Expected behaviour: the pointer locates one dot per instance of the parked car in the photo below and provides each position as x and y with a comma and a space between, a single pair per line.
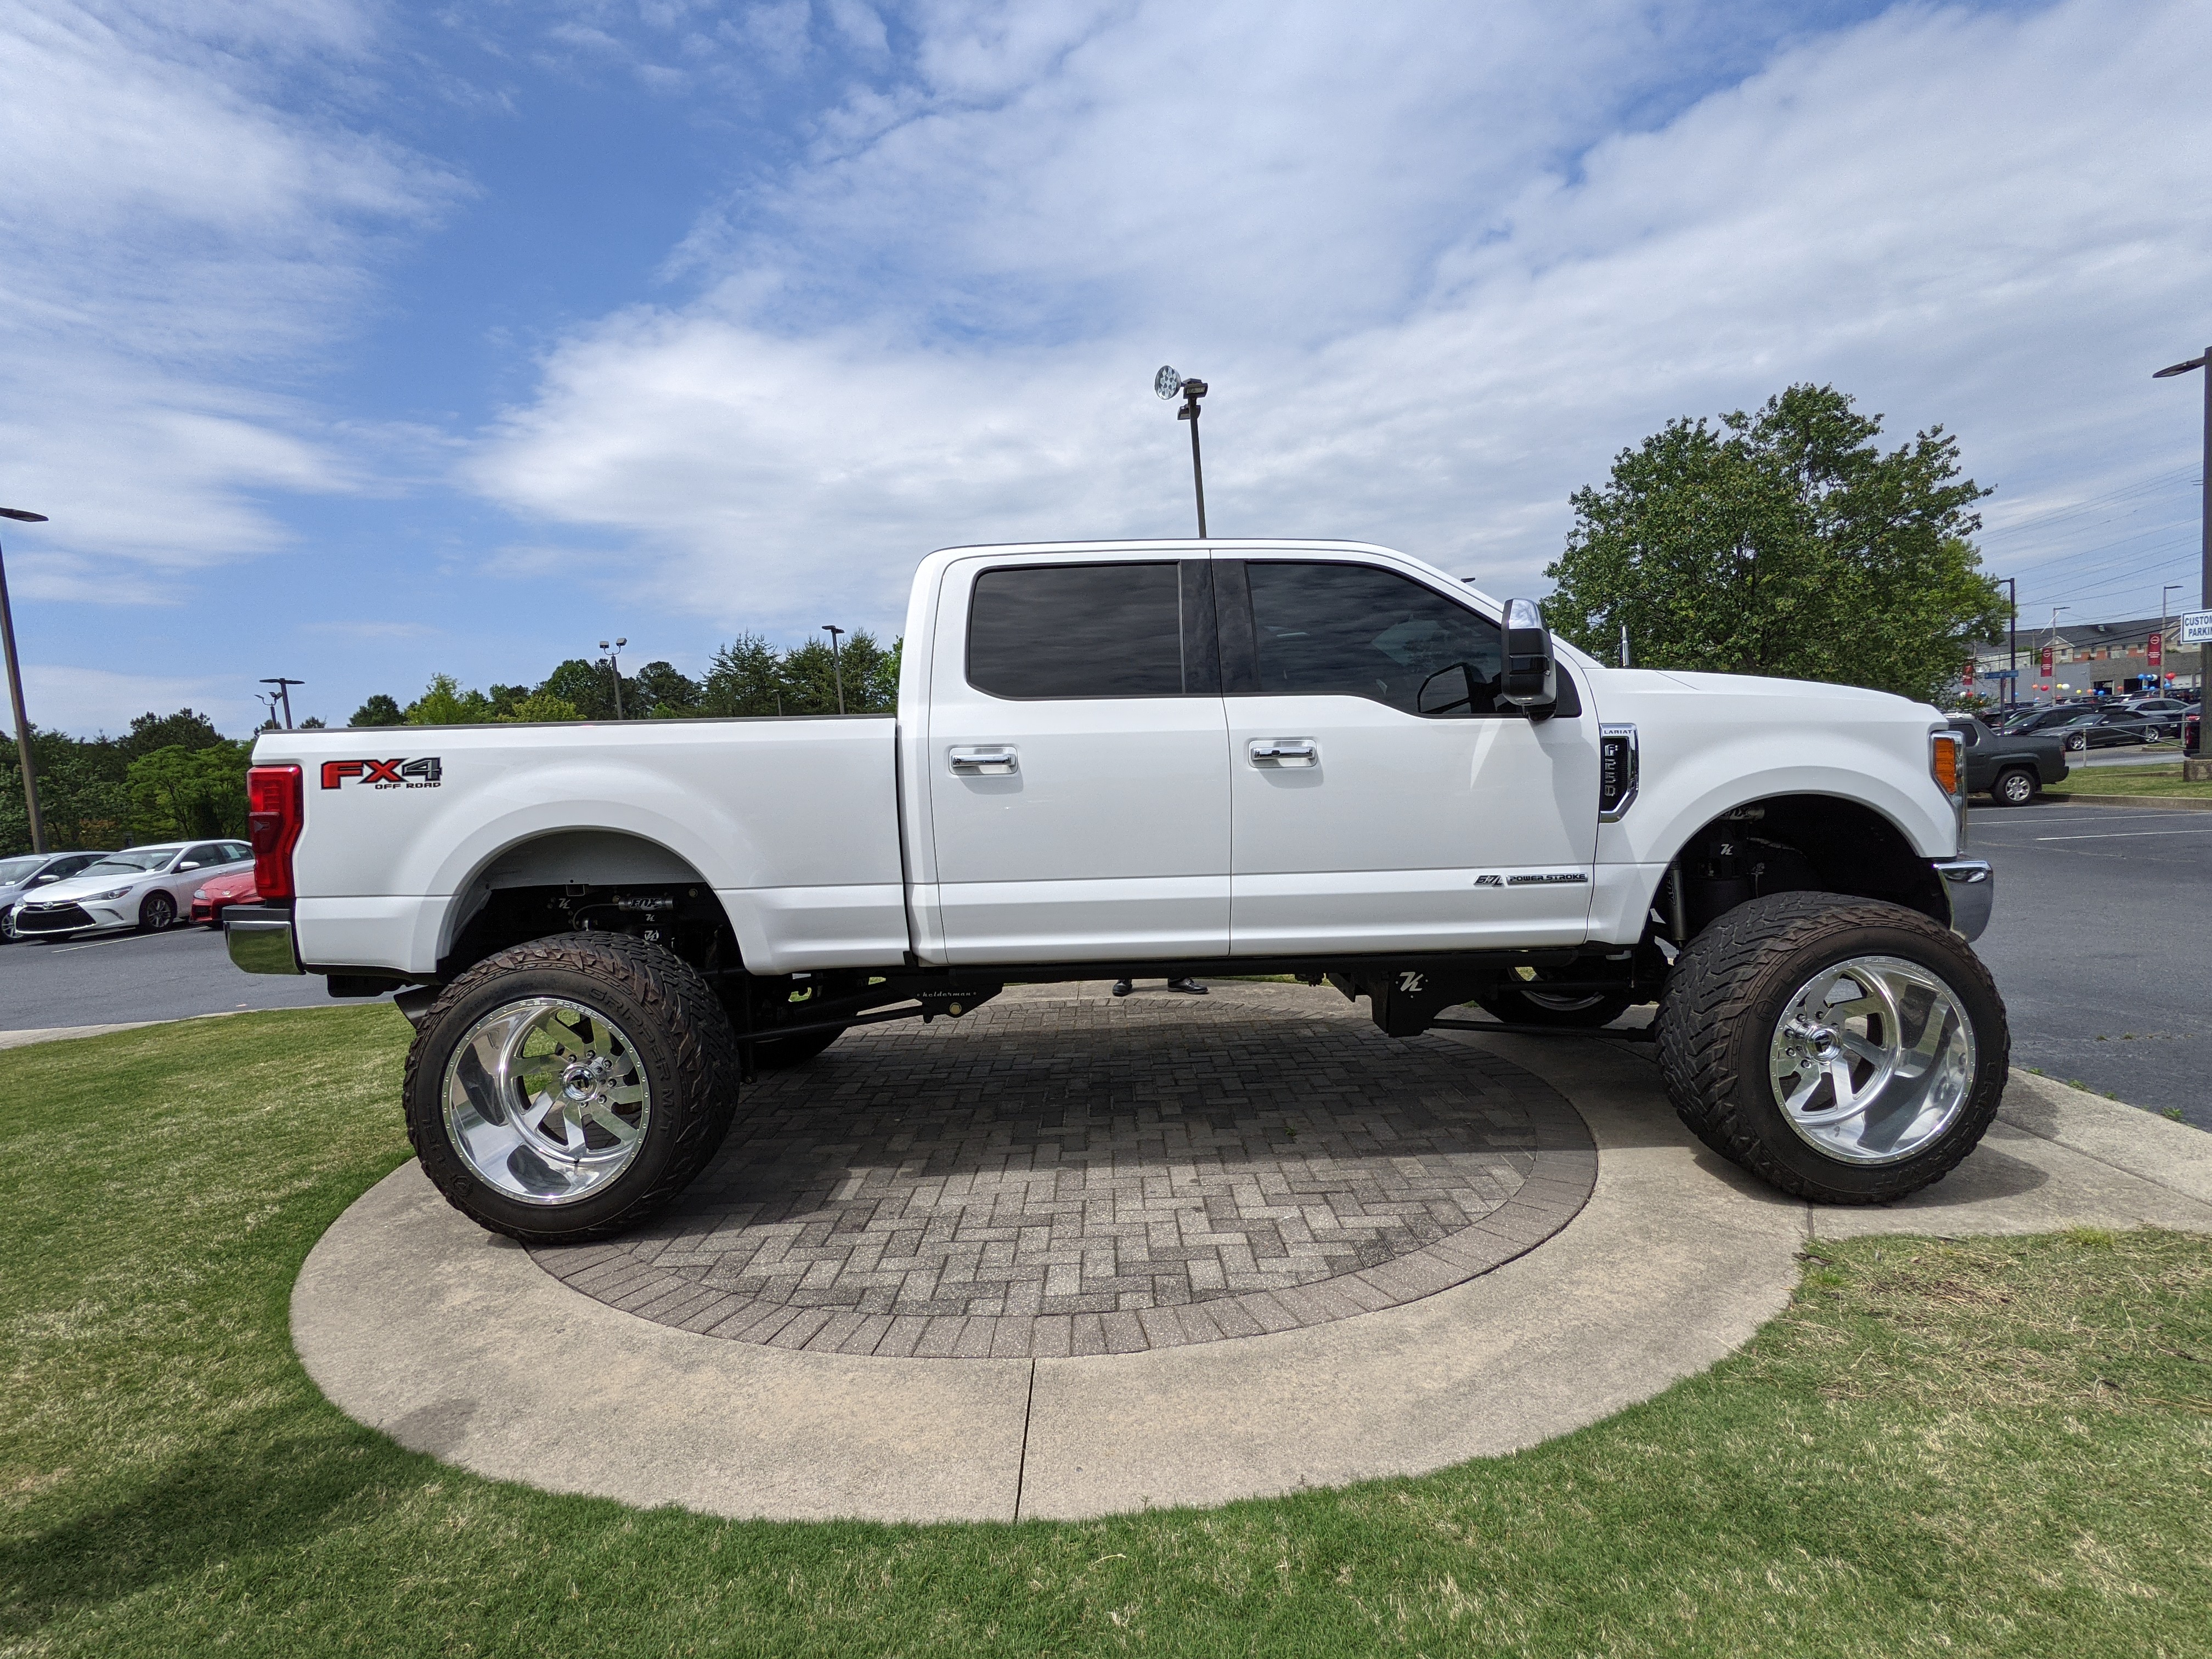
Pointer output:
141, 887
1323, 760
2040, 719
2113, 728
208, 902
20, 877
2010, 768
2158, 705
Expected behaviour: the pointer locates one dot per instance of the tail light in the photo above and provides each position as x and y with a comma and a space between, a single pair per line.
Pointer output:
274, 814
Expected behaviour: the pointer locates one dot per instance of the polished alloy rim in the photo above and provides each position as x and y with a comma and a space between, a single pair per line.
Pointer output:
1872, 1060
545, 1100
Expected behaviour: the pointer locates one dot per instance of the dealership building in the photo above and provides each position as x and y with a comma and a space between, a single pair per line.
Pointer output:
2086, 659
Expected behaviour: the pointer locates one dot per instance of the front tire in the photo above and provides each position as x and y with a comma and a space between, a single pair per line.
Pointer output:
1846, 1050
565, 1089
2015, 786
157, 914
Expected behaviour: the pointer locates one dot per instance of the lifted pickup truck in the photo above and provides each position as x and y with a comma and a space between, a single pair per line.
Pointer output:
1320, 759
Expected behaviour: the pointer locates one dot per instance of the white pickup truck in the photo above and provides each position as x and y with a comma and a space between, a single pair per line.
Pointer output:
1320, 759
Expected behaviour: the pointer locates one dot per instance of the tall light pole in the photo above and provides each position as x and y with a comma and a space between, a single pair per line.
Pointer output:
284, 690
2202, 361
2051, 646
15, 692
836, 663
1169, 384
2159, 680
2012, 640
614, 666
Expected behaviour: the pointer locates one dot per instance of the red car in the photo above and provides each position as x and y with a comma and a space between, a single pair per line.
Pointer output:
208, 901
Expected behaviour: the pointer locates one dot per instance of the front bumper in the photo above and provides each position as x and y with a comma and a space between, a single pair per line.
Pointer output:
68, 919
259, 940
1970, 888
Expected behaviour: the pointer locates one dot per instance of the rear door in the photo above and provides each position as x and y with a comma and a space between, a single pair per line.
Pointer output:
1079, 771
1384, 800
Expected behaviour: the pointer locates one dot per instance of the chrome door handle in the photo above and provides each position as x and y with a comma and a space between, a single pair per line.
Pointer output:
992, 763
1284, 751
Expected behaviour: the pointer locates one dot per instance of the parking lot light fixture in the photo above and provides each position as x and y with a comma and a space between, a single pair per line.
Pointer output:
836, 663
2201, 364
15, 691
614, 666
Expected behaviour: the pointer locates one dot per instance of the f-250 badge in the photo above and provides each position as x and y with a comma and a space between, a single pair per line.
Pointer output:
422, 774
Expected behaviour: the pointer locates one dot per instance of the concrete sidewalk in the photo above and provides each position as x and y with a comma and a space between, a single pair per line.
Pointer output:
457, 1344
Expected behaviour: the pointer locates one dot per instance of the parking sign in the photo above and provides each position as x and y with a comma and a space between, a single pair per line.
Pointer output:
2196, 628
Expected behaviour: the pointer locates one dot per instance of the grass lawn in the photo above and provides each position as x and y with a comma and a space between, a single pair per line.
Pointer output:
1972, 1446
2162, 778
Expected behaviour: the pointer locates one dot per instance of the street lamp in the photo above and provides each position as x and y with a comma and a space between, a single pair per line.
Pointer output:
2159, 683
284, 690
2204, 574
15, 691
1169, 384
837, 665
614, 666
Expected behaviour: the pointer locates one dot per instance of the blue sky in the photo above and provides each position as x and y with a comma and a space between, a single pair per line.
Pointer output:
359, 342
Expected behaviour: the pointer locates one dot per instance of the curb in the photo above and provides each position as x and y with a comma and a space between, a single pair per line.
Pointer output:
2174, 803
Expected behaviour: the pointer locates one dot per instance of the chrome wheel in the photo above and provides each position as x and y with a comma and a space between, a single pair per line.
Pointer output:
1873, 1059
545, 1100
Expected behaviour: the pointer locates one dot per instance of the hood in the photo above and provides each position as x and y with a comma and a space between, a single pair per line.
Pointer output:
237, 885
77, 887
1761, 685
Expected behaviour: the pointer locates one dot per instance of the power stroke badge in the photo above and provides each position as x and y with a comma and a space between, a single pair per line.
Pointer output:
422, 774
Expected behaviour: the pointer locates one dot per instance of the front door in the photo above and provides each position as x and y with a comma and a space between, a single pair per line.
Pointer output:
1078, 766
1383, 798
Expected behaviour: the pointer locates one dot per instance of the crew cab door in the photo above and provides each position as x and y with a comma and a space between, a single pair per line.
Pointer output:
1078, 770
1383, 798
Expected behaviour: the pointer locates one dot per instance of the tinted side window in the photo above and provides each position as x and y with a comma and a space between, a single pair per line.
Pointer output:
1081, 630
235, 852
1360, 632
204, 854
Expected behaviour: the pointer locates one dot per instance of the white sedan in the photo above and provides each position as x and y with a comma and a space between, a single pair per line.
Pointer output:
141, 887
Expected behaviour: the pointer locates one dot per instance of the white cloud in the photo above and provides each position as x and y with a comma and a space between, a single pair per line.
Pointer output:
90, 700
1433, 289
174, 243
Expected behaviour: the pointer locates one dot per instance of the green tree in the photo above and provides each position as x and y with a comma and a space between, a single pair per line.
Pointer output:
744, 676
663, 692
379, 710
538, 706
1785, 542
870, 675
179, 793
590, 689
444, 703
84, 793
183, 730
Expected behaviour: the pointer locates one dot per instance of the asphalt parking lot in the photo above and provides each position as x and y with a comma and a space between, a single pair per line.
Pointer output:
2102, 945
2101, 942
117, 978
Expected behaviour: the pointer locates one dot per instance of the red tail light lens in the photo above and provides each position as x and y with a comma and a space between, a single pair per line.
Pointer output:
274, 813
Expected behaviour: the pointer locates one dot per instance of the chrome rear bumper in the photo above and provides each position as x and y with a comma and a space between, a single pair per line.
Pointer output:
1970, 887
259, 940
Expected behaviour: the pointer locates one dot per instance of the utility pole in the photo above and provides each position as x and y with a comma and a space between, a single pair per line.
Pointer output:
284, 690
2202, 363
1168, 384
2012, 642
15, 693
836, 663
614, 665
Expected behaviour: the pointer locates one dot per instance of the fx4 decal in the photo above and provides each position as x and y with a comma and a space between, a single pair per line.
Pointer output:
422, 774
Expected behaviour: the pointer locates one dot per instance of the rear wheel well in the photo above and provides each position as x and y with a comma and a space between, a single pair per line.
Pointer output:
1801, 843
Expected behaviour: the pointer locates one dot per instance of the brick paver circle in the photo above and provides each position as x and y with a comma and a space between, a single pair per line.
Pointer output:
1063, 1174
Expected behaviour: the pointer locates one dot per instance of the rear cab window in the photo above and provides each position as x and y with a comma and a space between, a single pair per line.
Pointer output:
1061, 631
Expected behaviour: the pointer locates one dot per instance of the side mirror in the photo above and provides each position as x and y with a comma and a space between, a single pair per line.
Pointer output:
1529, 682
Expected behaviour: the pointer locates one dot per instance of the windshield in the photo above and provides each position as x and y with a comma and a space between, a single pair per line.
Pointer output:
125, 864
15, 869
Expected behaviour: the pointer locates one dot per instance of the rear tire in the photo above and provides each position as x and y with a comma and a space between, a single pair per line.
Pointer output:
565, 1089
2015, 786
1757, 1043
